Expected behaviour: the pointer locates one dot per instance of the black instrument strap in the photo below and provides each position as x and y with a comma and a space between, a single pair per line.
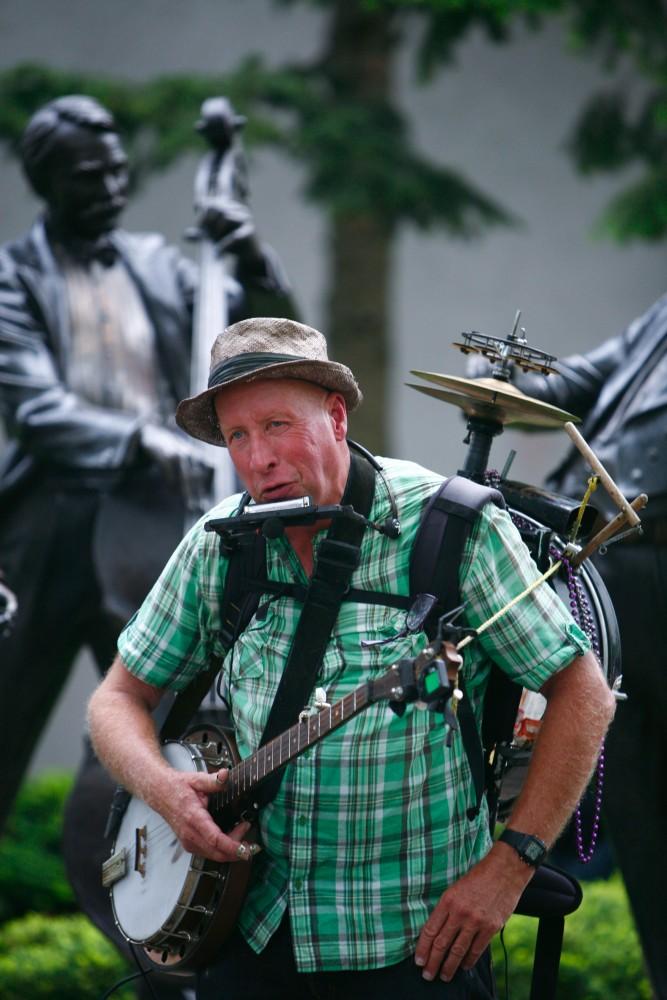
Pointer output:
434, 568
250, 560
337, 558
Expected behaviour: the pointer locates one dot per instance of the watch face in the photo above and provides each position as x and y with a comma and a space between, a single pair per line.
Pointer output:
533, 851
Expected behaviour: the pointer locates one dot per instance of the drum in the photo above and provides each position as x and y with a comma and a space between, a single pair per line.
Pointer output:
584, 593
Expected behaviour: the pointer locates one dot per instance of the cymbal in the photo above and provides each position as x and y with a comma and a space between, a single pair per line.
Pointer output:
492, 399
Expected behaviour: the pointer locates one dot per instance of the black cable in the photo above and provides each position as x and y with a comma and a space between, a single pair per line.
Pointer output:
505, 962
379, 469
121, 982
144, 972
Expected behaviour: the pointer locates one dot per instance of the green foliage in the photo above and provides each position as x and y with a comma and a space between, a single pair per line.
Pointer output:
601, 954
360, 159
611, 134
64, 957
639, 212
32, 874
627, 124
616, 28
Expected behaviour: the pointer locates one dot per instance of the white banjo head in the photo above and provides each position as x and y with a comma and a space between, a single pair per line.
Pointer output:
157, 864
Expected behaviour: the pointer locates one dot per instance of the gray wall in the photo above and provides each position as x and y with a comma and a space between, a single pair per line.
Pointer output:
500, 115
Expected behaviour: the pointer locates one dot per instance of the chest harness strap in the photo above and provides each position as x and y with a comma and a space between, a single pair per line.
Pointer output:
337, 558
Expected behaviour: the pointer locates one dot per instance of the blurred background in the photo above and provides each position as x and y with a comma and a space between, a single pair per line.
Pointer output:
470, 164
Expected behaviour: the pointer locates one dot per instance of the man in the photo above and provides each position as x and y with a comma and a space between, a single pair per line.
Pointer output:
375, 877
95, 330
619, 390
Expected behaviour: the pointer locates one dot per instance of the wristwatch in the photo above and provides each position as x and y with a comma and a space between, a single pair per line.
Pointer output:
530, 849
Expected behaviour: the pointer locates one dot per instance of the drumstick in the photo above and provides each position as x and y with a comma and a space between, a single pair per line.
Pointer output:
609, 529
598, 468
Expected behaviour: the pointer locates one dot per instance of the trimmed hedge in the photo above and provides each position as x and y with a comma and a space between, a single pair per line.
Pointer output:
32, 873
62, 957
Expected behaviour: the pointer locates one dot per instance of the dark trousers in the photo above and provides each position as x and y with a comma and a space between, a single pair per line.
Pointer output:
45, 554
635, 797
243, 975
80, 563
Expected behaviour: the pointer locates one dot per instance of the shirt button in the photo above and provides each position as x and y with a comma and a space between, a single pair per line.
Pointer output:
298, 884
302, 820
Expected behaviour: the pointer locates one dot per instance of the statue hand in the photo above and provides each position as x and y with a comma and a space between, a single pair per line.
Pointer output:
477, 366
229, 223
182, 463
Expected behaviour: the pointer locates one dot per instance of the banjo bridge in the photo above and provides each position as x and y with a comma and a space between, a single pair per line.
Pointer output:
140, 850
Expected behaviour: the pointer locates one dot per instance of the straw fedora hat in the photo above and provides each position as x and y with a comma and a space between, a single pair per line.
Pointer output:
261, 348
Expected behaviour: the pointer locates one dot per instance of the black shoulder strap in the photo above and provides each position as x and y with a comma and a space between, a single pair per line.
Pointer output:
246, 559
434, 569
438, 546
337, 558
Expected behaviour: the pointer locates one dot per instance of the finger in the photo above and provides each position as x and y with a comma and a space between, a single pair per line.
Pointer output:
477, 948
433, 926
207, 839
212, 783
434, 944
456, 954
239, 831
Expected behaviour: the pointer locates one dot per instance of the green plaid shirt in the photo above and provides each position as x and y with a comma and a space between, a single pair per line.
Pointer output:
369, 826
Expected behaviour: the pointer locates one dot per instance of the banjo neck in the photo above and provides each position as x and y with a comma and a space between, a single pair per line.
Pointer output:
244, 777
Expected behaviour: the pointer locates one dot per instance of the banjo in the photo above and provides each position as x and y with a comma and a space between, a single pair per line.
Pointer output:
180, 907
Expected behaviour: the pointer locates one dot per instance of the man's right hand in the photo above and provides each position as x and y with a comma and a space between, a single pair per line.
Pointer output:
185, 808
122, 728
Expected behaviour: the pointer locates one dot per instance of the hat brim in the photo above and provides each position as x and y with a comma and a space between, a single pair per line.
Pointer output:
196, 415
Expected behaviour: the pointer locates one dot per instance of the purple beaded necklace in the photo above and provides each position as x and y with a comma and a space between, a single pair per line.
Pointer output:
581, 612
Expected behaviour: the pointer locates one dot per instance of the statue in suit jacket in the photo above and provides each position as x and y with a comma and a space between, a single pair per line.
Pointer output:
619, 390
95, 333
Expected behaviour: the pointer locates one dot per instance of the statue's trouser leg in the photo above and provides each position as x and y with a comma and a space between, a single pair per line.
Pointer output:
44, 554
636, 790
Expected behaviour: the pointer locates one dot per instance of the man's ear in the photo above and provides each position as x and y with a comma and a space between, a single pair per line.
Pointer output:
337, 409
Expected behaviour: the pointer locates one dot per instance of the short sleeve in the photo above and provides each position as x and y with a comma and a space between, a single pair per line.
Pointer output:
537, 636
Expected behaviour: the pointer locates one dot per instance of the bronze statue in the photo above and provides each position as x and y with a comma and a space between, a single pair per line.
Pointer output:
95, 332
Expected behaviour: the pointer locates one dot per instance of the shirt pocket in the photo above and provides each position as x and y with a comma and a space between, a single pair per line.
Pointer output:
367, 622
263, 647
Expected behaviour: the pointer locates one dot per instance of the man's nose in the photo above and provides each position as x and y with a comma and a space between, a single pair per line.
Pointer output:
262, 456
